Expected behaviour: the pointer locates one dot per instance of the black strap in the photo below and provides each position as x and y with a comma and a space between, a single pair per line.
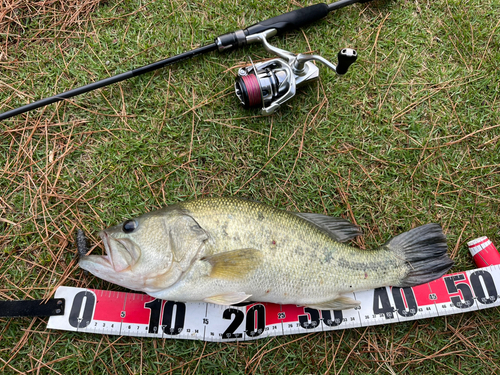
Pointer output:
14, 309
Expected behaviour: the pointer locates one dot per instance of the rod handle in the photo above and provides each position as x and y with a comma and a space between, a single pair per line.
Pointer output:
292, 20
288, 21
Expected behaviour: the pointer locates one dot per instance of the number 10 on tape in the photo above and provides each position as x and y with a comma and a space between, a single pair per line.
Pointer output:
135, 314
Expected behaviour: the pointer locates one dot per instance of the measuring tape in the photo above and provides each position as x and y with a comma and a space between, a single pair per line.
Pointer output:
135, 314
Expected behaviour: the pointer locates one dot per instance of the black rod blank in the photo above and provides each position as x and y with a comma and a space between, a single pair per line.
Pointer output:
108, 81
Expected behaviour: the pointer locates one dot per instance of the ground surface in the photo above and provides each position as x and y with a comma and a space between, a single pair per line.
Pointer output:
409, 136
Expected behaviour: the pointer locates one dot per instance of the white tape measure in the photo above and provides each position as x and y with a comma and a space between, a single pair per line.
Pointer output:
135, 314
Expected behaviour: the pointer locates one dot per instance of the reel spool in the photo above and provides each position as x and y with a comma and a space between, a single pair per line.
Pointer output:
271, 83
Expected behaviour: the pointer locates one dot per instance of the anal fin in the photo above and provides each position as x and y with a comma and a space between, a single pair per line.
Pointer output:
228, 298
340, 303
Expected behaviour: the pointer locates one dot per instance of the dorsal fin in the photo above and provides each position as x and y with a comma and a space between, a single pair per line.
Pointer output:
338, 228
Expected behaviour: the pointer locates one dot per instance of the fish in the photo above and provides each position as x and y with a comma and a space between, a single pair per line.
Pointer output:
228, 250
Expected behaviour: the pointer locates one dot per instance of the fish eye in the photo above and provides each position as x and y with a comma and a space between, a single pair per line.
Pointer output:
129, 226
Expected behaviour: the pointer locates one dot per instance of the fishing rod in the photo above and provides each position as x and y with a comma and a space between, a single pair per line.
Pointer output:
267, 84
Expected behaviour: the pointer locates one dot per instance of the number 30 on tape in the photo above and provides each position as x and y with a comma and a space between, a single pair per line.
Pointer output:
134, 314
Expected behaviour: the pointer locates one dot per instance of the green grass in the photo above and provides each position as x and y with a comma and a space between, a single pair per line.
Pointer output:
409, 136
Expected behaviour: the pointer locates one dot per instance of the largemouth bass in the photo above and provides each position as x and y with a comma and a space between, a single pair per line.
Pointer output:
229, 250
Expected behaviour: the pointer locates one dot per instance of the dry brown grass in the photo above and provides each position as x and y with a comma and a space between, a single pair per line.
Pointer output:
43, 18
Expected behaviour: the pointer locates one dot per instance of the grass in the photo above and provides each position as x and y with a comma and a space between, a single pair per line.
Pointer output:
409, 136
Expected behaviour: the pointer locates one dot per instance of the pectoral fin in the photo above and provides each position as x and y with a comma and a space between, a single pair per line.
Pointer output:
340, 303
228, 298
233, 265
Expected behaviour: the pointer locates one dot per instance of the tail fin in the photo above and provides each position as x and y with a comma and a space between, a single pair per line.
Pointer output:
424, 251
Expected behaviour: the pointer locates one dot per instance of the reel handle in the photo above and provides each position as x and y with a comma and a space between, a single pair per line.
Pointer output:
300, 61
346, 57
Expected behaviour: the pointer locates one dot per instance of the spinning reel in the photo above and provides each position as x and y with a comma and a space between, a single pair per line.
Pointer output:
271, 83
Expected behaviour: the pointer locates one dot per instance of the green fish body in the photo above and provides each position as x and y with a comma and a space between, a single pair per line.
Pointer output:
229, 250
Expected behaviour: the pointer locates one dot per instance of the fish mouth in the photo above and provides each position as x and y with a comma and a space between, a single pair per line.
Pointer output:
121, 253
113, 266
94, 263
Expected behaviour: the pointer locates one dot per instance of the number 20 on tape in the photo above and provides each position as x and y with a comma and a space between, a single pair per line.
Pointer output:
135, 314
